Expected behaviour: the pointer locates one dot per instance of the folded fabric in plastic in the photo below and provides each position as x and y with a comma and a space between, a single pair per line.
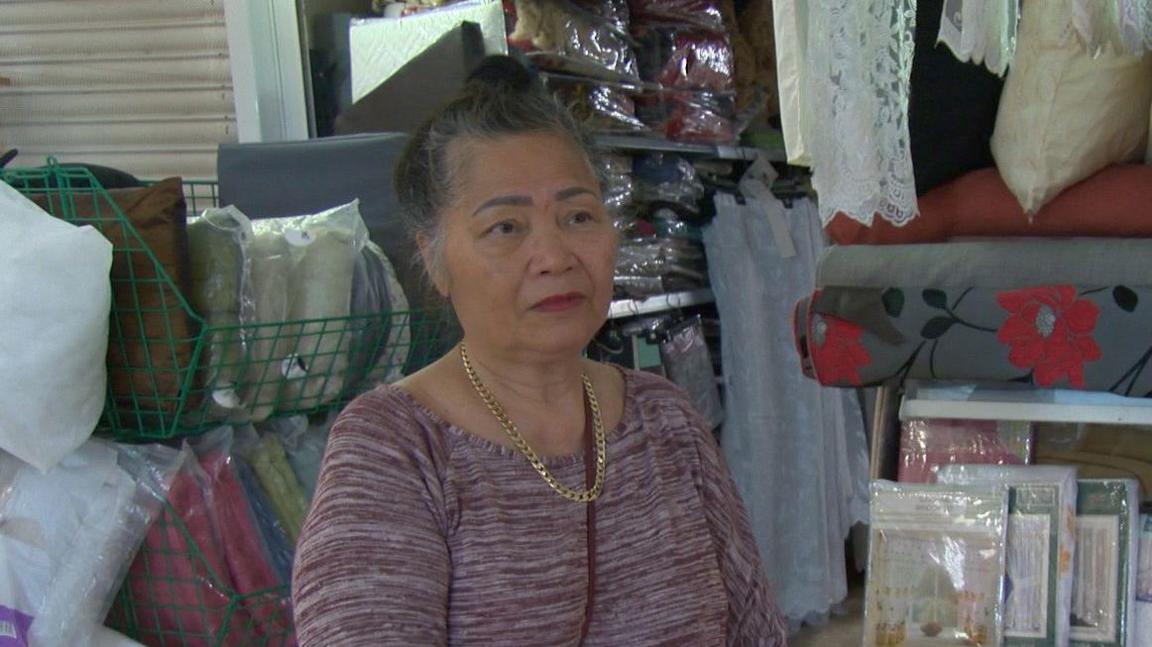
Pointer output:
54, 332
599, 106
1041, 547
1098, 451
1144, 584
279, 482
686, 58
930, 443
706, 14
221, 293
304, 443
249, 557
302, 271
205, 572
936, 558
280, 551
180, 582
1115, 202
1104, 583
574, 37
67, 535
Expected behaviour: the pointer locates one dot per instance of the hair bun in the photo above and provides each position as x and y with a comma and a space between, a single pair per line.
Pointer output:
502, 72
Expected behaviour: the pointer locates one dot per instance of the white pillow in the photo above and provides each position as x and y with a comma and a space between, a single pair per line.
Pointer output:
56, 295
1065, 114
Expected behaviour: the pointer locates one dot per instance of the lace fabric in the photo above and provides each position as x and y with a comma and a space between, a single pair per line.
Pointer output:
981, 31
856, 115
1123, 25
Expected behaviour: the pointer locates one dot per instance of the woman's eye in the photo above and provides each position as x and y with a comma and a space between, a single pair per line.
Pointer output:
581, 217
503, 228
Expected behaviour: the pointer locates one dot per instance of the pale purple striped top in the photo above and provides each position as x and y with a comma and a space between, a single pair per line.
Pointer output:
424, 534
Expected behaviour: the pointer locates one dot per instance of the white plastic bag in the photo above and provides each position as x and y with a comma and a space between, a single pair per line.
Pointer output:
68, 535
56, 296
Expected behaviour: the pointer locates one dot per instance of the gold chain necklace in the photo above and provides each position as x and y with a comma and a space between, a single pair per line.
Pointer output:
578, 496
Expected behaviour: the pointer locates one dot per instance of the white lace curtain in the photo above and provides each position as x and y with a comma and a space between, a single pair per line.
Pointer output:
844, 68
844, 102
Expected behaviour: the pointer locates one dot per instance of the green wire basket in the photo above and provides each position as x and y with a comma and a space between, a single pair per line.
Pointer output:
175, 597
165, 381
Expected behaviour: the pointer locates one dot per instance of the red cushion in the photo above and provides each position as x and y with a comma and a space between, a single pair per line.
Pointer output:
1114, 203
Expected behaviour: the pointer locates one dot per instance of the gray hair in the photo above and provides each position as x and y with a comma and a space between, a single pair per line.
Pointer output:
500, 99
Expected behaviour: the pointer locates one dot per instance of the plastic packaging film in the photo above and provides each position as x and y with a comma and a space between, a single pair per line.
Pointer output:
221, 293
580, 38
935, 564
705, 14
1143, 628
688, 364
1104, 583
302, 269
686, 58
1041, 547
600, 106
929, 443
68, 535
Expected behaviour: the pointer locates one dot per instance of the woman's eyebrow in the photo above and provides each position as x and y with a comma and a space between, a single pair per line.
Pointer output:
505, 201
526, 201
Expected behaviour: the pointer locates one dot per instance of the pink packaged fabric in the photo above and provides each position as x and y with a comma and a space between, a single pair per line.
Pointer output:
928, 443
244, 551
179, 582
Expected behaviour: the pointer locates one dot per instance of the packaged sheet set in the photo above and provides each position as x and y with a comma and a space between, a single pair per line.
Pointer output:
1104, 582
1041, 547
935, 565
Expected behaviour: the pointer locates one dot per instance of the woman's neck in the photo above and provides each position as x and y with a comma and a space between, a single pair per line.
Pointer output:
544, 382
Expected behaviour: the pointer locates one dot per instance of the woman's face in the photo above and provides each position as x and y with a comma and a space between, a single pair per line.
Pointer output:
529, 249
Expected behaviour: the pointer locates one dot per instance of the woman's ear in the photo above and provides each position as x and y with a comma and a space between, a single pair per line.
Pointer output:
433, 262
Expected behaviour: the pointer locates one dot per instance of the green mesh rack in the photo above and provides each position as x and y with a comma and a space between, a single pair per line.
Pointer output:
176, 596
164, 379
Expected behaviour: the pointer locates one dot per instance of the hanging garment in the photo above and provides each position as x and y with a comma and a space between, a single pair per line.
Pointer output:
854, 101
981, 31
790, 18
1125, 26
789, 445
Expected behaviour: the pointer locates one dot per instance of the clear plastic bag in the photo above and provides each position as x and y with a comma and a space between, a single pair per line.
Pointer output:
1099, 451
206, 562
574, 37
1104, 582
688, 116
600, 106
1041, 544
68, 535
929, 443
666, 177
302, 270
221, 293
686, 58
936, 560
688, 363
618, 184
304, 442
381, 344
701, 13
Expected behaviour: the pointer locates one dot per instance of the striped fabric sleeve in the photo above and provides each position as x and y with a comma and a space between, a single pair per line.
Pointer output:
753, 618
372, 565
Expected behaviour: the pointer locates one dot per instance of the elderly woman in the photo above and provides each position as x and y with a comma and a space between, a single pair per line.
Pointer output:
513, 492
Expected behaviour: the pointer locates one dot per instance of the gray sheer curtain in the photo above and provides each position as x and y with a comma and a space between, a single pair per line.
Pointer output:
797, 451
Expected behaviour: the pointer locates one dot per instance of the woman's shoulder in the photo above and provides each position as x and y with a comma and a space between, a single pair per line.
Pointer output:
388, 418
646, 387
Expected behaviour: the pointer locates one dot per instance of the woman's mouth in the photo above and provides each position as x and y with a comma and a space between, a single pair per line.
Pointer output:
559, 302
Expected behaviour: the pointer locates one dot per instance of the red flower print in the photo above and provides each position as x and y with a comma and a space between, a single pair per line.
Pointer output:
1049, 331
837, 353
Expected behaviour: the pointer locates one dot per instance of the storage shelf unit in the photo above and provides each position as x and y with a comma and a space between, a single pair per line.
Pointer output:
659, 303
723, 152
1045, 405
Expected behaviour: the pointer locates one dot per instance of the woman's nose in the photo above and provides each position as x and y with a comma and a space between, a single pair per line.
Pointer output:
551, 251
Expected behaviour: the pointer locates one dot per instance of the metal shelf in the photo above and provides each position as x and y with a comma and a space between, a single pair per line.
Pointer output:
1044, 405
724, 152
659, 303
